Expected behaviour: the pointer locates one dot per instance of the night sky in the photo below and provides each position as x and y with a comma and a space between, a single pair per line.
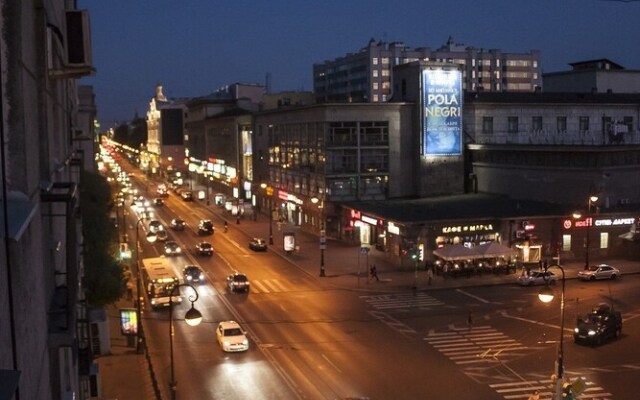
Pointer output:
194, 47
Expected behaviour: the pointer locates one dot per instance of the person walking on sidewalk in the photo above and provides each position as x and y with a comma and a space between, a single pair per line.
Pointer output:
470, 320
429, 275
374, 272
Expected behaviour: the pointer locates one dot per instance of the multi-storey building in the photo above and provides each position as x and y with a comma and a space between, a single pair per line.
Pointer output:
367, 76
44, 334
593, 76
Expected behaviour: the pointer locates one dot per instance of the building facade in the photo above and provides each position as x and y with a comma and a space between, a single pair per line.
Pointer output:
593, 76
47, 134
367, 75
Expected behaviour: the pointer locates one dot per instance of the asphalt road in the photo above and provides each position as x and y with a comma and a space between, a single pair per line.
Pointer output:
310, 340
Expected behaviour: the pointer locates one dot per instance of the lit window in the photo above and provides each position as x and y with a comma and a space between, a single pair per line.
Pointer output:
375, 73
375, 98
385, 72
385, 60
375, 85
566, 242
374, 61
604, 240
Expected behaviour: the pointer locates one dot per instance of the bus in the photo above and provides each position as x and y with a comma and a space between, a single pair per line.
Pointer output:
159, 280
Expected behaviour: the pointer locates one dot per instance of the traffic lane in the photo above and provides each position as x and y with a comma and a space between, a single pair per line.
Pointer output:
199, 360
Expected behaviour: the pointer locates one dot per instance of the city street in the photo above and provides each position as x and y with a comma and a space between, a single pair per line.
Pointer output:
311, 338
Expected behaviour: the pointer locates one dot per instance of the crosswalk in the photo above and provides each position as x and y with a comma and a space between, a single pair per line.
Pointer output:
402, 301
478, 347
279, 285
521, 390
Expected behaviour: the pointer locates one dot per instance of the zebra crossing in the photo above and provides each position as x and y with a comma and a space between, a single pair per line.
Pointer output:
419, 300
521, 390
278, 285
478, 347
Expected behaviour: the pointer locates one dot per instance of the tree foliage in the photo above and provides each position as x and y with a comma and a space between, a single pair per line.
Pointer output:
133, 134
103, 279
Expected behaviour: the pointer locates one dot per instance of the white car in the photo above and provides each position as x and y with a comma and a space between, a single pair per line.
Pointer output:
602, 271
231, 337
537, 278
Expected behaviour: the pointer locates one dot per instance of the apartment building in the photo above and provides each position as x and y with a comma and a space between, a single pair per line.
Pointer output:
48, 137
593, 76
367, 75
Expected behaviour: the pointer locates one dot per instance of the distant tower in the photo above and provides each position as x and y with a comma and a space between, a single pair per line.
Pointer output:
159, 95
267, 82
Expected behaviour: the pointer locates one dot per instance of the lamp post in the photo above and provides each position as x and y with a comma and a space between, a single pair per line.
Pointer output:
323, 237
193, 317
269, 190
592, 199
546, 296
151, 238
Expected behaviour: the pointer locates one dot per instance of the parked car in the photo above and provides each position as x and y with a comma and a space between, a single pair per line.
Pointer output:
231, 337
238, 282
178, 224
258, 244
158, 201
172, 248
602, 271
602, 323
193, 274
537, 278
205, 227
204, 249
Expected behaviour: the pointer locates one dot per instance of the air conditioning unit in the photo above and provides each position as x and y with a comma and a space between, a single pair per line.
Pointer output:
78, 39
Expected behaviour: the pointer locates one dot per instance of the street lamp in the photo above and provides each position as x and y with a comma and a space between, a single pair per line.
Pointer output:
271, 210
151, 237
193, 317
546, 296
592, 199
323, 238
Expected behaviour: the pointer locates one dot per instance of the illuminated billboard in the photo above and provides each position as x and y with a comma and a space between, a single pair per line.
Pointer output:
442, 108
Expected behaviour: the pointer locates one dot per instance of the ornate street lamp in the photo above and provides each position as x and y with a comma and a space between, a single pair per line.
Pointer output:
546, 296
193, 317
151, 237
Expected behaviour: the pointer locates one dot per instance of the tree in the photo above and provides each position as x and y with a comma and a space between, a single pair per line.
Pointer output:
104, 275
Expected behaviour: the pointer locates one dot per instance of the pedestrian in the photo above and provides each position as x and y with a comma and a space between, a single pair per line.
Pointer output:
129, 290
374, 272
470, 319
445, 270
429, 275
535, 395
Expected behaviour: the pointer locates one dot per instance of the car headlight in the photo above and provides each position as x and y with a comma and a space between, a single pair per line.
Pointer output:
245, 342
201, 276
591, 332
576, 330
189, 277
178, 250
225, 344
167, 251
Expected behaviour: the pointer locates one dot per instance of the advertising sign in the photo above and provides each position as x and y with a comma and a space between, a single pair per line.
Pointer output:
442, 107
128, 321
289, 241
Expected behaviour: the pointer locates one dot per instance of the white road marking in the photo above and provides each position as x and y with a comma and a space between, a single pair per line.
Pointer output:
473, 296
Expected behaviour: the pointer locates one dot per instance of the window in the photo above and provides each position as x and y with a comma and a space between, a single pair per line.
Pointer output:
375, 73
604, 240
385, 60
561, 124
375, 85
512, 124
374, 61
385, 72
566, 242
375, 98
583, 124
628, 121
487, 125
536, 124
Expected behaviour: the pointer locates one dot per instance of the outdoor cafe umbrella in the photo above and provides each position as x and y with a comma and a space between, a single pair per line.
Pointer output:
455, 252
494, 249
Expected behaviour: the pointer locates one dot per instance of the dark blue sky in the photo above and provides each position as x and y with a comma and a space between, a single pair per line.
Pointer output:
193, 47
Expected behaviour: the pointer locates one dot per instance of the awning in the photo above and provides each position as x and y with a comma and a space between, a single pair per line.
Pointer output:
630, 236
494, 249
456, 252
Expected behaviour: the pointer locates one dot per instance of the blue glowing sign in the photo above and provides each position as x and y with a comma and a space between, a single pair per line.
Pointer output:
442, 105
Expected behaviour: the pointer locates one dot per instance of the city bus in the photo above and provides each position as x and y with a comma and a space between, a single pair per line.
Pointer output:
159, 280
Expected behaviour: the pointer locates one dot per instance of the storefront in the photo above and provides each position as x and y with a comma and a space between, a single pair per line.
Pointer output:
600, 235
